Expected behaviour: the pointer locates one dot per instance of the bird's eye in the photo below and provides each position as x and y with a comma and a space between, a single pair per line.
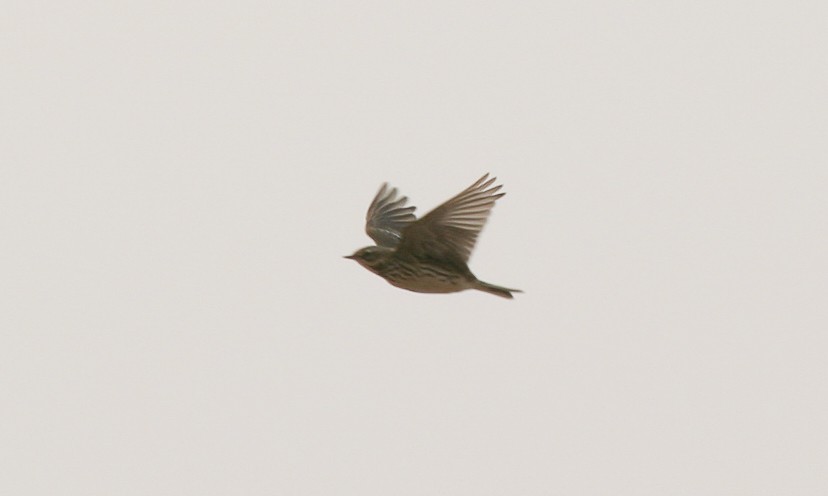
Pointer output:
369, 255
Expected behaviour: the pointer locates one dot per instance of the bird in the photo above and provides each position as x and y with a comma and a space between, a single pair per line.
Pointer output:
429, 255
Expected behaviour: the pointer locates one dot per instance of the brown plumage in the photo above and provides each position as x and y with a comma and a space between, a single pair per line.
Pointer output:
429, 255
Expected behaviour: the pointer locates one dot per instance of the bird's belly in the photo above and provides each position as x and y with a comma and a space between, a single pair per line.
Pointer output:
432, 284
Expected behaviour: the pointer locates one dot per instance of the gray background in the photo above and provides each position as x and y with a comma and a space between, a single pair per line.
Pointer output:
179, 181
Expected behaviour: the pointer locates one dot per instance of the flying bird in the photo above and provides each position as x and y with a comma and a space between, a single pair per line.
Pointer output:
429, 255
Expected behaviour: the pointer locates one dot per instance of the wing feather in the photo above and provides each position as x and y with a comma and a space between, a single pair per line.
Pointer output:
388, 216
450, 231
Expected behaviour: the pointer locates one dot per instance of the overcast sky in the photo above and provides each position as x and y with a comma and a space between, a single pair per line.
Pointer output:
180, 180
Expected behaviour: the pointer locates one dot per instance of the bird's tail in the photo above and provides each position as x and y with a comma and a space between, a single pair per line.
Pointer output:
496, 290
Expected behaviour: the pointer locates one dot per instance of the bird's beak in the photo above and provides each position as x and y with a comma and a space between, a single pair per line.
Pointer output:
349, 256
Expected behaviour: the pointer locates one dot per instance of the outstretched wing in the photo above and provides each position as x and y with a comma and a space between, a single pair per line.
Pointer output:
450, 230
388, 216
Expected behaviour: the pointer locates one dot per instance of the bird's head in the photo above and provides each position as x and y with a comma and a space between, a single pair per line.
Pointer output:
370, 256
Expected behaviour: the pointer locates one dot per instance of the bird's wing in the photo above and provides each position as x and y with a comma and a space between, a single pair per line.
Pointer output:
388, 216
450, 230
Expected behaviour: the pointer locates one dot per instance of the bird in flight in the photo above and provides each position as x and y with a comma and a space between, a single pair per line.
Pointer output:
429, 255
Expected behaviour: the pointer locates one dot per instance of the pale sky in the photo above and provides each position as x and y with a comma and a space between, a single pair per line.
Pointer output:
180, 181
